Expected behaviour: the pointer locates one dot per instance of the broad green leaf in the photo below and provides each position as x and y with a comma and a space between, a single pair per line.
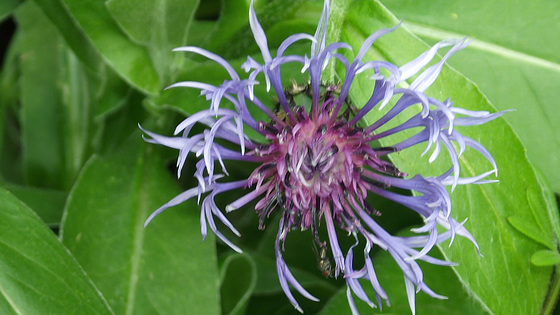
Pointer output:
189, 100
492, 21
78, 93
59, 96
10, 145
7, 7
198, 32
269, 297
514, 58
505, 266
118, 125
440, 279
46, 203
243, 43
164, 268
238, 278
37, 274
531, 89
162, 23
42, 131
303, 263
130, 60
545, 258
114, 95
72, 33
159, 25
234, 15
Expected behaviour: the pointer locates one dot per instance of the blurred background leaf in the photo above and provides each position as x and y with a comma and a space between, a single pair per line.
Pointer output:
238, 279
7, 7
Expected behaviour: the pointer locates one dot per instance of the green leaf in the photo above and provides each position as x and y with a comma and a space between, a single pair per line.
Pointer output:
234, 16
78, 93
495, 23
118, 124
506, 252
513, 66
42, 131
7, 7
37, 274
72, 33
10, 145
114, 95
46, 203
440, 279
545, 258
243, 43
159, 25
130, 60
238, 279
269, 297
160, 22
59, 98
164, 268
537, 226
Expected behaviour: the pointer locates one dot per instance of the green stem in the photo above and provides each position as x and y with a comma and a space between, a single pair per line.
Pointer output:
553, 294
334, 29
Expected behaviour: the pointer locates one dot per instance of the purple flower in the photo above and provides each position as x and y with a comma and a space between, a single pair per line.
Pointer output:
318, 161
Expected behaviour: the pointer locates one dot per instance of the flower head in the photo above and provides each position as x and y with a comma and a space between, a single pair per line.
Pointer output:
319, 162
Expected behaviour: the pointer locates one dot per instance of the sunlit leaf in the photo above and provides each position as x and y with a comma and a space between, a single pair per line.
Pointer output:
129, 59
513, 58
506, 252
545, 258
158, 25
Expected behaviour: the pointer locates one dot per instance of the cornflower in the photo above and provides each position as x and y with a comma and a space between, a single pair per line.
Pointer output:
319, 162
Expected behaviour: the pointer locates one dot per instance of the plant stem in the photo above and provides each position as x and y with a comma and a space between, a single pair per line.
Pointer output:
552, 297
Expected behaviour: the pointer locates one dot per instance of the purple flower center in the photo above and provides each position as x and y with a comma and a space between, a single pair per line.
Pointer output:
313, 162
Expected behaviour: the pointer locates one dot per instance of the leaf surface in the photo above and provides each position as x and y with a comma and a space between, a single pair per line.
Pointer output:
506, 265
513, 58
164, 268
37, 273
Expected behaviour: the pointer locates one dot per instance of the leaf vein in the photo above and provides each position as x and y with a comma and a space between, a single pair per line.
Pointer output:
439, 34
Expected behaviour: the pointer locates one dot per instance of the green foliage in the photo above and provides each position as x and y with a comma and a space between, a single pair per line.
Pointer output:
80, 75
37, 273
486, 206
139, 270
508, 59
457, 302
